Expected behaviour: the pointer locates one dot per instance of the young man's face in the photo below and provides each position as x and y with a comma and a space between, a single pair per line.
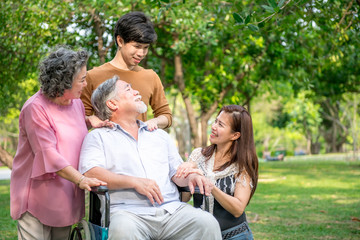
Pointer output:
133, 52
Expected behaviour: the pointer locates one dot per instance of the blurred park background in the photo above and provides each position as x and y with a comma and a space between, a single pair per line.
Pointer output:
294, 65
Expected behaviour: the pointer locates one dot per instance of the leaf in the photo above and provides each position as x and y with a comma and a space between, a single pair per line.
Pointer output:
268, 8
238, 18
247, 19
281, 3
253, 27
272, 3
262, 24
159, 14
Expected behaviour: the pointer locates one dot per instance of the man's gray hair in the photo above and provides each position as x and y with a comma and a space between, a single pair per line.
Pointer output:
103, 93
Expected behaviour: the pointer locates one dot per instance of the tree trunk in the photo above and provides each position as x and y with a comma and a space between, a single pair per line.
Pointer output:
336, 129
204, 135
354, 127
100, 29
181, 128
308, 145
6, 158
179, 79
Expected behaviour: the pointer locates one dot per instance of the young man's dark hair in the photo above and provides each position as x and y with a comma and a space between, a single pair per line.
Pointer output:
135, 26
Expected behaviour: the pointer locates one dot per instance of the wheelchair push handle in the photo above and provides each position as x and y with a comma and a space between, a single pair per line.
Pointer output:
101, 190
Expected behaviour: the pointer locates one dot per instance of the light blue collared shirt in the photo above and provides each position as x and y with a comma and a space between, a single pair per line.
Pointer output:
153, 156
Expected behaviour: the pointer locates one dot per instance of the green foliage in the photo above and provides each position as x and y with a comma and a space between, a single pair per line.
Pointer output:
304, 115
28, 29
270, 137
231, 52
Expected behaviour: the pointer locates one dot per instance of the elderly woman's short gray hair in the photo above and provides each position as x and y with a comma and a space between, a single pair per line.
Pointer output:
103, 93
58, 70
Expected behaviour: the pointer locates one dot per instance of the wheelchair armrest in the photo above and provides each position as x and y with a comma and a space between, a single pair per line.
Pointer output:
196, 191
101, 190
187, 189
95, 204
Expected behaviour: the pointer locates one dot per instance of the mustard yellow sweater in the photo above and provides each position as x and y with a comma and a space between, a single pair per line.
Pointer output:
146, 81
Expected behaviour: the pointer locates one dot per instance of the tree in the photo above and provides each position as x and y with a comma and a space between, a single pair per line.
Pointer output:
27, 30
305, 116
317, 53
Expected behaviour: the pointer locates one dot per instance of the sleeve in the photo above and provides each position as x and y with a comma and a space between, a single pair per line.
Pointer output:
175, 159
92, 152
43, 141
195, 155
158, 101
244, 179
86, 95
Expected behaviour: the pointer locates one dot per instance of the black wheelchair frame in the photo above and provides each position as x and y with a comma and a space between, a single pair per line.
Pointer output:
84, 230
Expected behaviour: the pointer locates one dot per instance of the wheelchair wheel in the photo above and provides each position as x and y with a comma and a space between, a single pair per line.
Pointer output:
81, 231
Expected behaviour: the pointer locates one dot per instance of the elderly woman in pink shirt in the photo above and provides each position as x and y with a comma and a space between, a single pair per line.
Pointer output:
46, 190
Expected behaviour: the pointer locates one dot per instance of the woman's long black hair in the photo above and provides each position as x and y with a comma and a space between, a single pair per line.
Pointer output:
242, 150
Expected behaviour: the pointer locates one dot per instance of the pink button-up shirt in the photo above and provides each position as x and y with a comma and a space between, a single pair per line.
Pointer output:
50, 138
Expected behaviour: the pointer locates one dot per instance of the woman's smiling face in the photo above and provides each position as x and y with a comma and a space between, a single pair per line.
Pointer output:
221, 129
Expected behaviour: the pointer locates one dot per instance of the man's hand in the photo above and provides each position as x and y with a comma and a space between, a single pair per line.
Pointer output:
150, 189
204, 184
95, 122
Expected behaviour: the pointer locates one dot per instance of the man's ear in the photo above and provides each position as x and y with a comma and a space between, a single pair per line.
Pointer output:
111, 105
120, 41
235, 136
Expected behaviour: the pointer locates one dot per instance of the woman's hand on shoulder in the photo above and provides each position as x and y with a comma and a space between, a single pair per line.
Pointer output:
95, 122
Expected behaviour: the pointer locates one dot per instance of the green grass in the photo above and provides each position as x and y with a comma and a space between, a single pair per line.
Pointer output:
306, 200
296, 199
7, 225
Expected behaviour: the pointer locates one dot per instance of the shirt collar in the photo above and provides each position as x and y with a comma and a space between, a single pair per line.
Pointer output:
140, 123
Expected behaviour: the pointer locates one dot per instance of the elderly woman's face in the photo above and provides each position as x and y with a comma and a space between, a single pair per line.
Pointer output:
77, 86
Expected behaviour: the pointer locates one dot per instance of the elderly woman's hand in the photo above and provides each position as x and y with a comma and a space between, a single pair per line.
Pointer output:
86, 183
186, 168
95, 122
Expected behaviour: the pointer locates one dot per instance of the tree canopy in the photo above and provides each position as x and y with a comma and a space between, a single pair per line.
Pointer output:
210, 53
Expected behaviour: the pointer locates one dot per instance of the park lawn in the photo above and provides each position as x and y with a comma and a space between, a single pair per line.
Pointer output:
7, 225
299, 199
295, 199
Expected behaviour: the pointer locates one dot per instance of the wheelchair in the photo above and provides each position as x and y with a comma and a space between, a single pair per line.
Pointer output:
95, 229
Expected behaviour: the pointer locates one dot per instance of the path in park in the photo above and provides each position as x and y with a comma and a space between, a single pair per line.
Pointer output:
5, 173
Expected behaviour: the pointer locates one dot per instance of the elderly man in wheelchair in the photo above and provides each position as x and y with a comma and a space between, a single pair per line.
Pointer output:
139, 167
